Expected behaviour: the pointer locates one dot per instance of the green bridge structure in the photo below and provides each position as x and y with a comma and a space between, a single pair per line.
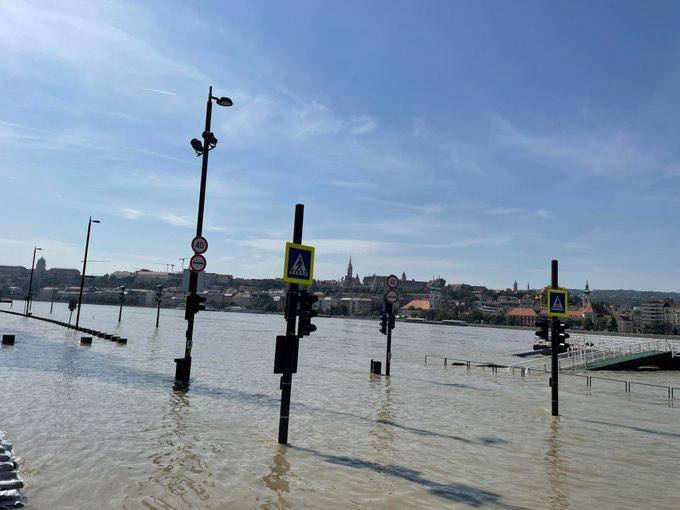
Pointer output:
663, 354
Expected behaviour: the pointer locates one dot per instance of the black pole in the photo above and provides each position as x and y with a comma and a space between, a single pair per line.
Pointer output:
183, 372
388, 355
555, 343
159, 295
287, 377
122, 298
54, 291
30, 285
82, 276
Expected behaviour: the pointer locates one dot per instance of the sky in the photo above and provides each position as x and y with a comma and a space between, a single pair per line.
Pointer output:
472, 140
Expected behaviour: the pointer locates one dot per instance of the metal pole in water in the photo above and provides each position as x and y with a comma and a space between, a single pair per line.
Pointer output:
555, 344
390, 321
291, 314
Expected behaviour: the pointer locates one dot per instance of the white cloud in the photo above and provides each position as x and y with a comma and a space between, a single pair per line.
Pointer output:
131, 214
159, 91
175, 219
362, 124
599, 153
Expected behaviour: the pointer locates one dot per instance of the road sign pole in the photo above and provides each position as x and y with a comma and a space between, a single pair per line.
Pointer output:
287, 377
390, 319
555, 343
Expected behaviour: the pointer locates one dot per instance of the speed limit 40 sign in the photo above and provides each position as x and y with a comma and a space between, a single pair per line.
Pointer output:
199, 244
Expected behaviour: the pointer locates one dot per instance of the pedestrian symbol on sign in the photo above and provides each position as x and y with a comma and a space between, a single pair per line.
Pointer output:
557, 305
299, 268
299, 264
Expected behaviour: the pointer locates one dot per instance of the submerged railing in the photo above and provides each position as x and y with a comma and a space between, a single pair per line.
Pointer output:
672, 392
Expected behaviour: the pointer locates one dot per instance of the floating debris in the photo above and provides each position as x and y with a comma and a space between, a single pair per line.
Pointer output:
10, 483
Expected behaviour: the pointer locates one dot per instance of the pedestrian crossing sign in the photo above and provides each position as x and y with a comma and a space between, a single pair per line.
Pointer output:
299, 264
558, 303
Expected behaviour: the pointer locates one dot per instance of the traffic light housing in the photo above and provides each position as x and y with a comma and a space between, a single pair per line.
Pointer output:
306, 303
195, 304
543, 326
383, 324
391, 321
562, 334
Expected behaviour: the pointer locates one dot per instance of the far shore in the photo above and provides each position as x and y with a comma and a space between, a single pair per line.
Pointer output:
429, 323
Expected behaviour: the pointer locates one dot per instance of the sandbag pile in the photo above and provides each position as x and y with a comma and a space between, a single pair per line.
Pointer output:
10, 483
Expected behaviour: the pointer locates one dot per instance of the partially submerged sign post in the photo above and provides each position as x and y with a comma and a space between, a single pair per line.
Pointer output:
298, 269
390, 297
558, 306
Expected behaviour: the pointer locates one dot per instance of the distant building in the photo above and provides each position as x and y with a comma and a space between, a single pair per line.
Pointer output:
349, 280
514, 287
13, 271
652, 313
121, 274
63, 276
152, 276
415, 307
522, 317
326, 304
625, 323
41, 265
357, 305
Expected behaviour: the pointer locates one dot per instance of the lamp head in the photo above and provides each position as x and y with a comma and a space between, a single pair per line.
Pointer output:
210, 139
224, 101
197, 146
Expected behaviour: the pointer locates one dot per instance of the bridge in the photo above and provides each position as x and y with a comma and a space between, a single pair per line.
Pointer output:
611, 355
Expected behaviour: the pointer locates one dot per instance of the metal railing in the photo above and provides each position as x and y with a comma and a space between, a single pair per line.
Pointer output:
584, 358
670, 391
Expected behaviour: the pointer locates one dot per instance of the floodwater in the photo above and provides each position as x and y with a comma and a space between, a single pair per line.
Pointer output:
100, 426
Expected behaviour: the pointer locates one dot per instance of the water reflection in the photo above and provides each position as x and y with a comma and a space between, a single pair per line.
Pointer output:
382, 431
179, 466
557, 468
277, 480
456, 492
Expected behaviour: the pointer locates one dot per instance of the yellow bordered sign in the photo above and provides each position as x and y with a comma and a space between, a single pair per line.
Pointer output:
298, 266
558, 303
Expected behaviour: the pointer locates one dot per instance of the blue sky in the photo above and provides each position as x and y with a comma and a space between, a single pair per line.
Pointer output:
475, 140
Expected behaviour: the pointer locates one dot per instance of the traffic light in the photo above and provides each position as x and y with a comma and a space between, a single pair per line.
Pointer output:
195, 304
391, 321
306, 302
543, 326
562, 334
383, 324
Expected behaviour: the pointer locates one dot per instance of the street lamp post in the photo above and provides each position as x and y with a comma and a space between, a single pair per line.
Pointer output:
54, 291
29, 295
122, 299
82, 276
159, 296
183, 368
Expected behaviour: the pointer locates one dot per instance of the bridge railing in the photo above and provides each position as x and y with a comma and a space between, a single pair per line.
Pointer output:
581, 358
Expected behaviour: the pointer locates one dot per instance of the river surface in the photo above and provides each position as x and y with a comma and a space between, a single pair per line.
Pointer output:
100, 427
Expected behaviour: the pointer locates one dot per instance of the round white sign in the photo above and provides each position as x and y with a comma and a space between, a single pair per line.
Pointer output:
392, 281
391, 296
199, 244
198, 263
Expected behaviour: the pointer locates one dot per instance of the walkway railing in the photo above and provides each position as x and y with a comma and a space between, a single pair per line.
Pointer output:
671, 392
584, 358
